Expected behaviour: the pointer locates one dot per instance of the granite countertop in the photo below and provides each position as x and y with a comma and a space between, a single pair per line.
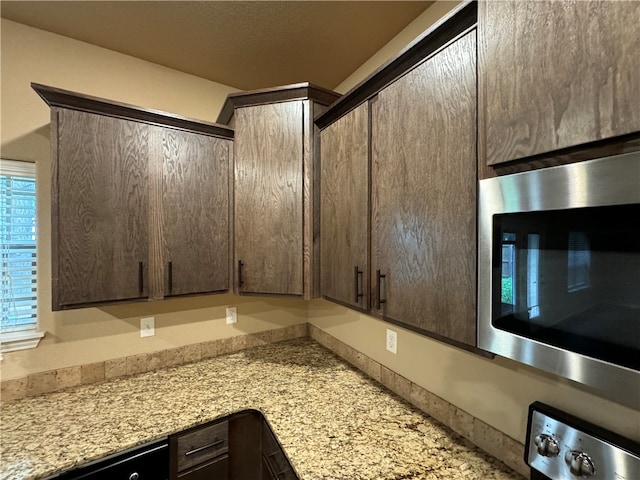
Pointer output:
333, 421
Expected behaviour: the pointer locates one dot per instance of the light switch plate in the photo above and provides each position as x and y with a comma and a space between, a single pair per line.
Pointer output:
147, 327
392, 341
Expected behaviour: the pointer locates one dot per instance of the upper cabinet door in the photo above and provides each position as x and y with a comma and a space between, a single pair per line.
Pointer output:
344, 213
195, 211
269, 198
557, 74
100, 209
424, 196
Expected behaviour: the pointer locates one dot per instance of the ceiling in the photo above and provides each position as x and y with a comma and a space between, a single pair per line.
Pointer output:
247, 45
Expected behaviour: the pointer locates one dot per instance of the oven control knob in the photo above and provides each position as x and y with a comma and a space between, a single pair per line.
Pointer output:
547, 445
580, 464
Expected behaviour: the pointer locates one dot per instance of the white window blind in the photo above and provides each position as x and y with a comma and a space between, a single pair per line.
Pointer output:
18, 282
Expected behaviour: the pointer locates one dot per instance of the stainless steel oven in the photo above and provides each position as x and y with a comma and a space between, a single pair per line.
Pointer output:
559, 272
560, 446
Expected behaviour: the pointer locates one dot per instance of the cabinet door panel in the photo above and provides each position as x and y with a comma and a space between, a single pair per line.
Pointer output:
269, 197
195, 209
102, 209
558, 74
345, 209
424, 189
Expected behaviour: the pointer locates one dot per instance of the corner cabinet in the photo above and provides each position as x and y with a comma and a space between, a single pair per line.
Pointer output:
555, 75
241, 446
140, 202
276, 203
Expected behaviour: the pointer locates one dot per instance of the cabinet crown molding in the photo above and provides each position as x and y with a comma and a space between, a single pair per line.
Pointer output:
285, 93
452, 25
57, 97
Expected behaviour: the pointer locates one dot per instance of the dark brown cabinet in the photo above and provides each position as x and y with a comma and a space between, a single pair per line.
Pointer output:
276, 211
269, 191
140, 202
424, 196
200, 453
100, 224
241, 446
195, 211
557, 75
344, 212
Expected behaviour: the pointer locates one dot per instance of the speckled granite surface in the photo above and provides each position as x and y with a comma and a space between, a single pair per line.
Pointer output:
332, 420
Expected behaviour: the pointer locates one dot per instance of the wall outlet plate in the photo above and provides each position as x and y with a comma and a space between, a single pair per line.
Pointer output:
147, 327
392, 341
232, 315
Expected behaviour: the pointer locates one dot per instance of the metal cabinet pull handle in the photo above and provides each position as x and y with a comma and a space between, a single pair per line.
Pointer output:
205, 447
240, 281
140, 278
356, 284
379, 278
170, 275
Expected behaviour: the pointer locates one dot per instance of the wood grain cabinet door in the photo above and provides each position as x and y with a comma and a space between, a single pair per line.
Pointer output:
100, 209
344, 212
269, 198
195, 211
424, 195
557, 74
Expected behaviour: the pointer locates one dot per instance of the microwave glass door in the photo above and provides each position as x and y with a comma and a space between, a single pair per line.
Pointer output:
571, 278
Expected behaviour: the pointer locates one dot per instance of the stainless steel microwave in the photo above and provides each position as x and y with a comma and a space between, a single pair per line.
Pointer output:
559, 272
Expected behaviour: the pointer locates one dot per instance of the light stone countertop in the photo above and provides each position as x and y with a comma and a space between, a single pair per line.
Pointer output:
332, 421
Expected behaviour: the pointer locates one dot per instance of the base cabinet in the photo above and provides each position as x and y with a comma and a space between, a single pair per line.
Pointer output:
239, 447
146, 462
215, 470
275, 465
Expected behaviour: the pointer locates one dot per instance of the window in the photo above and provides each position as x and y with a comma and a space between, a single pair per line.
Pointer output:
18, 281
578, 261
533, 274
508, 270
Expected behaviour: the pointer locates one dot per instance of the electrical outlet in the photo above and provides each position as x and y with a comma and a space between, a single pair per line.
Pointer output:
392, 341
147, 327
232, 315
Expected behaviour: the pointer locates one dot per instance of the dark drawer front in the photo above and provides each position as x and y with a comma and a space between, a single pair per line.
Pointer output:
216, 470
202, 445
275, 463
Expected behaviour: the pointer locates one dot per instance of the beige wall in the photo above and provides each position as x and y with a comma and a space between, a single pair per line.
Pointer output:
97, 334
496, 391
397, 43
